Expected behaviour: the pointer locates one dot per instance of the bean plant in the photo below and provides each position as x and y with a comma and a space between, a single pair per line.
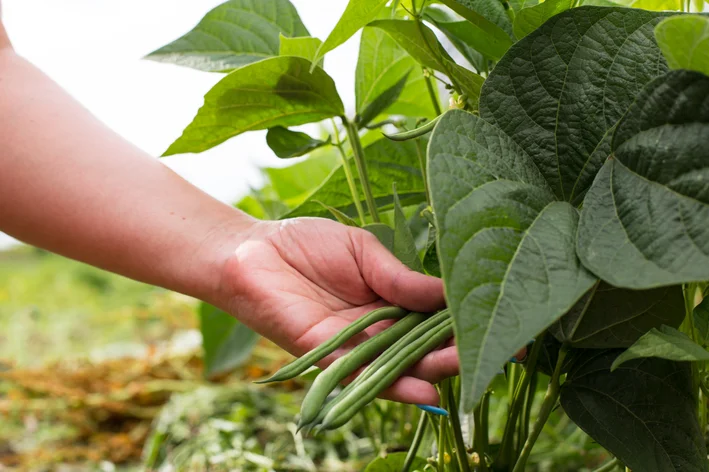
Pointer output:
550, 161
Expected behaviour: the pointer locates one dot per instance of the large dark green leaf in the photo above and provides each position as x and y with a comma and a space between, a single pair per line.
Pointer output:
286, 143
387, 162
235, 33
227, 343
382, 64
506, 247
471, 39
357, 14
684, 41
645, 221
615, 317
279, 91
644, 413
559, 92
665, 343
421, 43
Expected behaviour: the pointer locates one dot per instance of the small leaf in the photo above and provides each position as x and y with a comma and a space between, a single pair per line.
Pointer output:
384, 234
286, 143
227, 343
305, 47
357, 14
394, 462
235, 33
387, 162
610, 317
665, 343
380, 104
644, 221
684, 41
486, 39
530, 18
339, 216
380, 66
644, 413
701, 321
404, 242
430, 258
279, 91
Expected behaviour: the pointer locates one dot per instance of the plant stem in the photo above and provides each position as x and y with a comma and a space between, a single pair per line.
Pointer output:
418, 438
442, 426
460, 448
608, 466
432, 92
547, 406
504, 456
480, 434
356, 145
348, 174
527, 411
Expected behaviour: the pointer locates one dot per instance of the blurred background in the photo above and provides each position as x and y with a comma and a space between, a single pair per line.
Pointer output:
89, 359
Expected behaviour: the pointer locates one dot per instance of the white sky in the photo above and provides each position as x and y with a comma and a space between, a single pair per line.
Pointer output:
93, 48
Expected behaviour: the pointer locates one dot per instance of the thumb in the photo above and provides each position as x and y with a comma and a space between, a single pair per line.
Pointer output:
391, 279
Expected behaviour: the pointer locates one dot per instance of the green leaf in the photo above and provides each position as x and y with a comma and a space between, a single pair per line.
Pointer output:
227, 343
665, 343
684, 41
293, 183
339, 216
701, 321
530, 18
384, 234
644, 413
279, 91
306, 47
506, 248
484, 14
421, 43
404, 242
386, 99
657, 5
645, 220
356, 16
518, 5
472, 39
430, 259
387, 162
382, 64
610, 317
559, 91
549, 356
286, 143
235, 33
393, 463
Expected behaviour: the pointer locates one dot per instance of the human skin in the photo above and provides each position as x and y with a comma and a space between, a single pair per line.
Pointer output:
72, 186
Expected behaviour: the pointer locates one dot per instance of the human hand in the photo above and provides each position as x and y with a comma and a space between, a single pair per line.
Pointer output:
299, 282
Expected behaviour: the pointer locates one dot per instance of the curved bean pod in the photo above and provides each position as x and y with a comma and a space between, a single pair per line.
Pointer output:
303, 363
414, 133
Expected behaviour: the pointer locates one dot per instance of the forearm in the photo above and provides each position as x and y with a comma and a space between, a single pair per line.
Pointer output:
72, 186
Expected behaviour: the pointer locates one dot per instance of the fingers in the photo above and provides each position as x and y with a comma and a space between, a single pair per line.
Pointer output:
411, 390
437, 365
392, 280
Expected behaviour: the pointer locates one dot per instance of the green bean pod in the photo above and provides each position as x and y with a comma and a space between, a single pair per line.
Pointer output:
416, 333
345, 408
414, 133
330, 378
303, 363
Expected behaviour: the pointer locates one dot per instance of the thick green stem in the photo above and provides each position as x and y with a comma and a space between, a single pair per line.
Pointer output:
348, 174
432, 92
608, 466
418, 437
358, 152
480, 434
527, 412
460, 449
547, 406
504, 457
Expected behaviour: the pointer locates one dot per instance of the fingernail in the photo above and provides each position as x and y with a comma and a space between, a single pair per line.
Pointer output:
433, 409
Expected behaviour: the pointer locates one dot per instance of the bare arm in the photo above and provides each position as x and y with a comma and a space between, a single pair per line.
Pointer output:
71, 185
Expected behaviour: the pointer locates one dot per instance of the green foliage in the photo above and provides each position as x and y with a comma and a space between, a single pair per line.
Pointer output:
488, 15
235, 33
651, 426
305, 47
393, 463
701, 321
530, 18
610, 317
664, 343
621, 239
404, 243
227, 343
279, 91
286, 143
684, 41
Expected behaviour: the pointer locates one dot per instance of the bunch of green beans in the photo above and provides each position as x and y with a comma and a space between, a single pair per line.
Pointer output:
398, 348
